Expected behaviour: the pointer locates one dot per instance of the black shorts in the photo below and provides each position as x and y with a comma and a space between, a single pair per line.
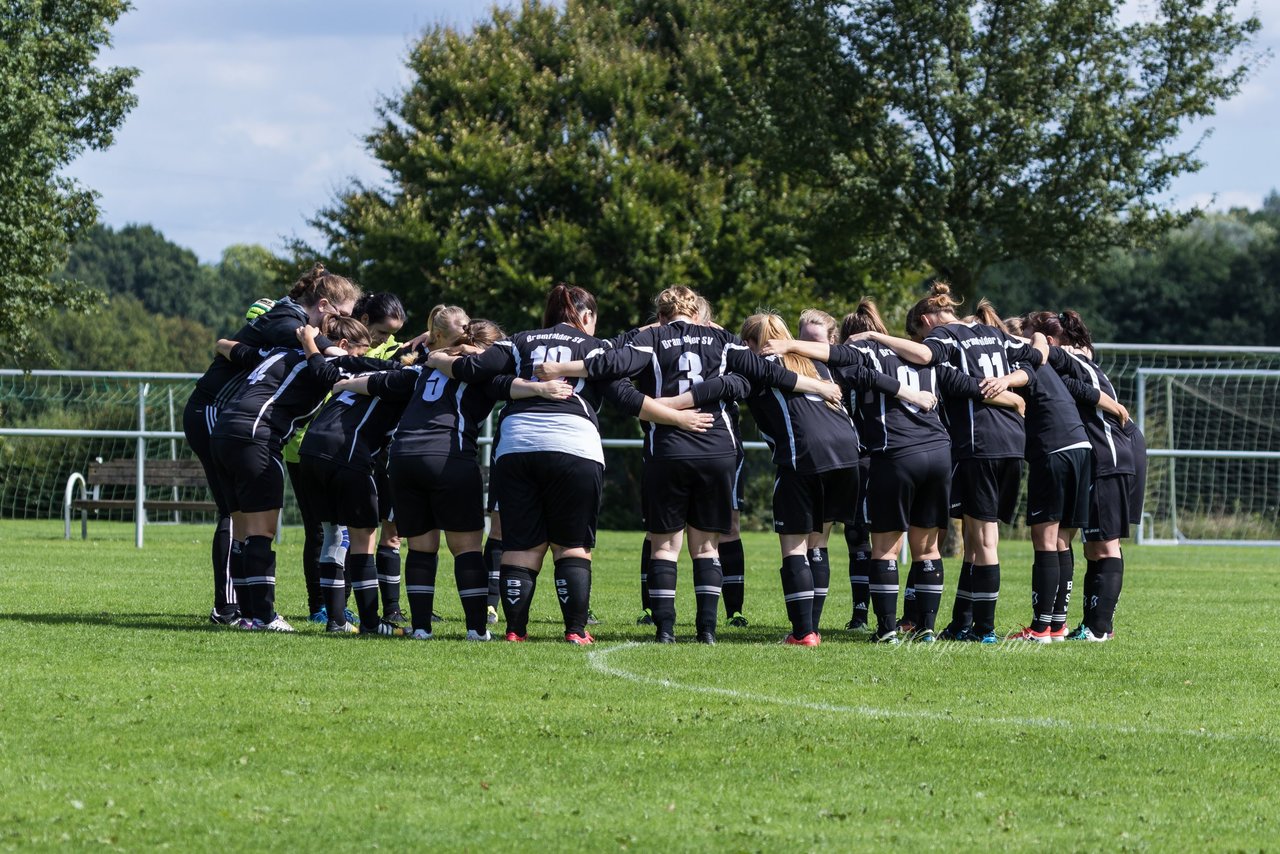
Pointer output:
698, 493
198, 418
740, 481
251, 476
804, 503
1108, 508
1138, 490
1058, 488
986, 489
911, 491
491, 504
548, 497
382, 479
437, 493
340, 494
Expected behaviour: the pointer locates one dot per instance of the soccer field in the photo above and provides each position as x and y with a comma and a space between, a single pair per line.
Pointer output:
127, 721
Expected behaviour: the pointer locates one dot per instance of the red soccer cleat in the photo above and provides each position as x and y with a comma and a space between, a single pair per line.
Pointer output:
515, 638
1029, 634
584, 639
811, 639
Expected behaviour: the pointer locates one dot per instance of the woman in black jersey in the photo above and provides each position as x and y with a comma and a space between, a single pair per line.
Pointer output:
1115, 461
688, 478
550, 463
435, 472
857, 531
284, 387
909, 481
986, 441
316, 295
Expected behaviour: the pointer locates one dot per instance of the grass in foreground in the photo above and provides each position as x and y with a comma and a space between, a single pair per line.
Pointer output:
127, 721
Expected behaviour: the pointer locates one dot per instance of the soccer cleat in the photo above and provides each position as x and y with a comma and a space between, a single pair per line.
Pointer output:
515, 638
224, 618
436, 618
473, 635
665, 637
890, 637
709, 638
592, 619
395, 616
1026, 633
1058, 634
811, 639
926, 636
646, 619
321, 616
856, 625
738, 621
419, 634
277, 624
491, 616
350, 616
988, 638
584, 639
950, 633
1084, 633
340, 628
906, 628
382, 629
244, 624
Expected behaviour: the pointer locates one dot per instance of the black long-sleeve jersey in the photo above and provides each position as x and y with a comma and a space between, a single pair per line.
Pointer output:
278, 327
981, 351
352, 430
890, 426
671, 359
282, 390
805, 434
1053, 421
1112, 444
524, 351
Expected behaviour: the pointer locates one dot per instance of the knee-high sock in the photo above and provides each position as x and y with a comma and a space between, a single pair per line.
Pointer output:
929, 583
962, 607
260, 578
1066, 577
1091, 576
362, 569
882, 583
472, 577
420, 586
859, 556
518, 585
224, 588
662, 594
573, 589
646, 555
820, 567
910, 609
1110, 581
733, 565
797, 592
333, 583
493, 565
235, 572
708, 581
388, 567
1044, 588
985, 590
312, 539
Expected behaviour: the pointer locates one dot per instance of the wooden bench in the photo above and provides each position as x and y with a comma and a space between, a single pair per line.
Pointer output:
160, 473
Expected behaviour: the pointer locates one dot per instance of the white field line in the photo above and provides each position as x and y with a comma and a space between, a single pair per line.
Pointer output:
598, 659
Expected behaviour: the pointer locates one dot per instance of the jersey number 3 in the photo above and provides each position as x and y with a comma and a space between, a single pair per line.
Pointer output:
689, 364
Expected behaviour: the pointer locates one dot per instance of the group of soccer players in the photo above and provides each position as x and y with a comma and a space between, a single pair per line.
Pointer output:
892, 437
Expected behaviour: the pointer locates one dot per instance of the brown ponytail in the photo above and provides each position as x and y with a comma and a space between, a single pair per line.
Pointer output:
337, 327
864, 318
939, 301
568, 304
318, 283
481, 334
986, 313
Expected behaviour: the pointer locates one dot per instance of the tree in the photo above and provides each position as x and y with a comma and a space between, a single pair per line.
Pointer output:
54, 104
1044, 130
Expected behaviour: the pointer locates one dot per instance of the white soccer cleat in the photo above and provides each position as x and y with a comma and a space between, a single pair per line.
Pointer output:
277, 624
419, 634
473, 635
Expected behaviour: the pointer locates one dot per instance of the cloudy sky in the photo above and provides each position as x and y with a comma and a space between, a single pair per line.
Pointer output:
251, 114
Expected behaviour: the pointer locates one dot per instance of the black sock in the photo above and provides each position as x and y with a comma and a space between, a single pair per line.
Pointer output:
882, 585
962, 607
985, 590
517, 594
1110, 581
733, 566
472, 578
929, 592
387, 561
820, 568
1091, 576
363, 570
1044, 588
235, 572
493, 566
333, 583
312, 540
420, 586
859, 558
224, 589
708, 580
646, 553
910, 607
260, 578
1066, 576
797, 592
662, 594
573, 589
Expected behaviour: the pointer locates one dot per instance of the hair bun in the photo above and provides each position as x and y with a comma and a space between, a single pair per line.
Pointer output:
939, 288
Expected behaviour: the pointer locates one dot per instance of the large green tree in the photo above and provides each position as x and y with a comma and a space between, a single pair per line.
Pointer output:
54, 104
1043, 130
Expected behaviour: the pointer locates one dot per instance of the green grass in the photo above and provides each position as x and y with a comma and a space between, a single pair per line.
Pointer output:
127, 722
